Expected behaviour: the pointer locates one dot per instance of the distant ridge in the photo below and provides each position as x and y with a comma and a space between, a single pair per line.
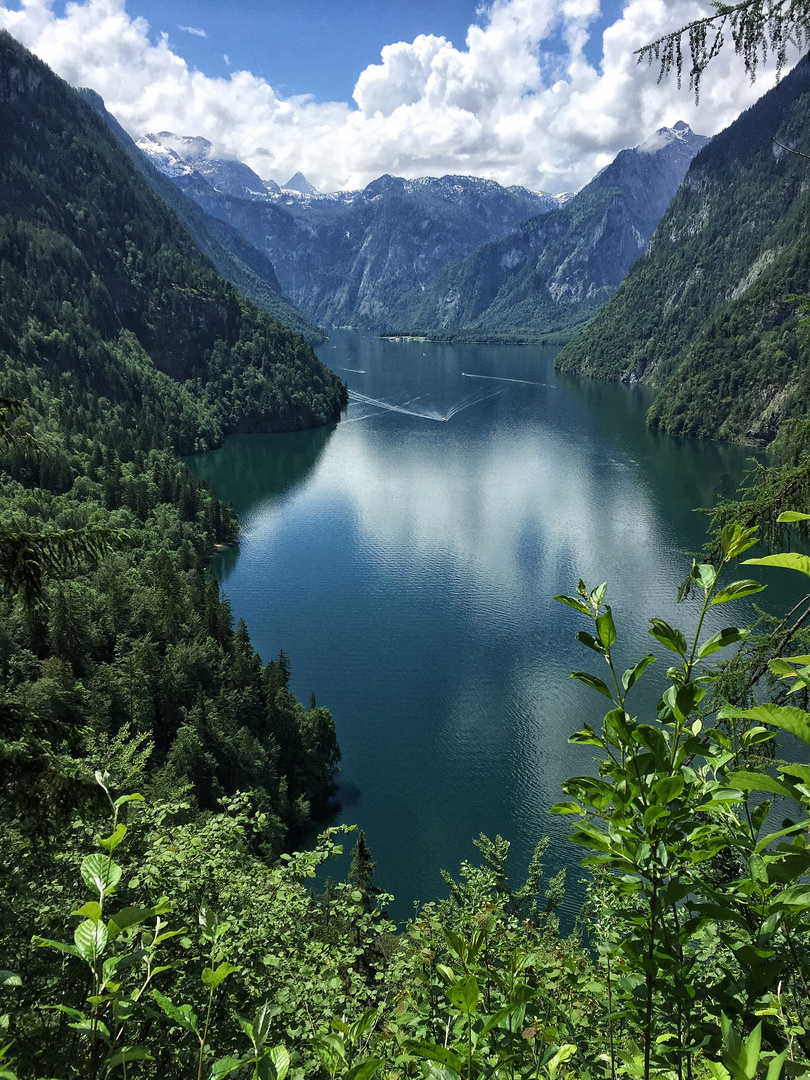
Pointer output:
707, 315
557, 269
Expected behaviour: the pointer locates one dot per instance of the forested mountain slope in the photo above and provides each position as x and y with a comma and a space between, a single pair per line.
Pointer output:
707, 314
120, 346
243, 265
349, 259
556, 270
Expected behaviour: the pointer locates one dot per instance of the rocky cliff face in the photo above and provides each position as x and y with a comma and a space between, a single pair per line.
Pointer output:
349, 257
557, 269
708, 314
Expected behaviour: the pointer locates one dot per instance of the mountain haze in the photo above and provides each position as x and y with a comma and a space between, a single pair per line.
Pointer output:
707, 314
349, 258
557, 269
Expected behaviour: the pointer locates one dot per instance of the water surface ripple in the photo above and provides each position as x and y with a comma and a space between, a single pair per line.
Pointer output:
407, 568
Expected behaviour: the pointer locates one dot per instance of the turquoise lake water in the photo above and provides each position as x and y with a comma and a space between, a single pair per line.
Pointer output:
407, 565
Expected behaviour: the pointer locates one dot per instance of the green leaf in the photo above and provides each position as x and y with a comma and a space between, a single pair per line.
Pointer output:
606, 628
591, 642
122, 799
789, 516
795, 721
71, 950
593, 682
225, 1066
668, 636
566, 808
575, 603
90, 910
761, 781
364, 1070
100, 873
127, 1054
736, 590
734, 539
112, 842
91, 940
704, 574
434, 1052
10, 978
182, 1015
788, 560
721, 639
213, 978
633, 674
280, 1057
464, 994
796, 897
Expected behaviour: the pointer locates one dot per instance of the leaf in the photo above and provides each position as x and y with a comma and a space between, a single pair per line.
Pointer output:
721, 639
280, 1057
129, 1053
225, 1066
122, 799
593, 682
605, 628
112, 842
795, 721
71, 950
10, 978
788, 560
575, 603
789, 516
761, 781
668, 636
91, 940
182, 1015
464, 994
433, 1052
213, 978
566, 808
736, 590
364, 1070
704, 574
796, 897
633, 674
100, 873
734, 539
591, 642
261, 1025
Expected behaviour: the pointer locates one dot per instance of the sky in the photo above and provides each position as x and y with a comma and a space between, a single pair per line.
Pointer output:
541, 93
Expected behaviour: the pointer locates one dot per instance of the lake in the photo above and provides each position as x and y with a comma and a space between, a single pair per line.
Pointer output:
406, 561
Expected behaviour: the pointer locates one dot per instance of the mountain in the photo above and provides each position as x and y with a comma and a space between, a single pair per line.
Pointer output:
105, 291
237, 260
707, 314
557, 269
348, 258
297, 183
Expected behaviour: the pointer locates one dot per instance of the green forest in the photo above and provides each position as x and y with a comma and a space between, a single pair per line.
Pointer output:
156, 917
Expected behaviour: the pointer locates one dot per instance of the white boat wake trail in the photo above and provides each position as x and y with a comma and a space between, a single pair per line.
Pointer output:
499, 378
424, 414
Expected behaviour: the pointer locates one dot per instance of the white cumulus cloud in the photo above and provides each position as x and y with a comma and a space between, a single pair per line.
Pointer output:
507, 105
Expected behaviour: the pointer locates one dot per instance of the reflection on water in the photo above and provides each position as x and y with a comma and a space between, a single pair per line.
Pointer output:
408, 569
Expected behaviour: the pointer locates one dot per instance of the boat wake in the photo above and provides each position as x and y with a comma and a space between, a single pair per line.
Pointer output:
499, 378
423, 414
357, 371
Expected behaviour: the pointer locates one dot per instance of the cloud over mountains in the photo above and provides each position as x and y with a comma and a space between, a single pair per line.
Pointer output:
520, 102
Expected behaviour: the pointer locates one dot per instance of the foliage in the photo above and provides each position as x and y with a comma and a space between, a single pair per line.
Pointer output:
696, 866
757, 28
707, 316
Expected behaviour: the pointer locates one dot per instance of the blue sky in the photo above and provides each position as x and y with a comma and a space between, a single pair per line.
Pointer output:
542, 93
315, 47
